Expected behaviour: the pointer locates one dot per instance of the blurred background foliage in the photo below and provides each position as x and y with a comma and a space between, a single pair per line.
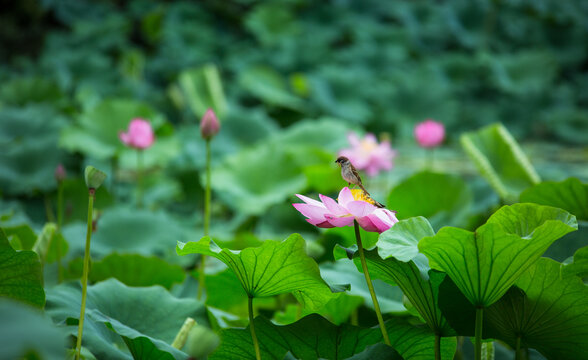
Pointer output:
288, 80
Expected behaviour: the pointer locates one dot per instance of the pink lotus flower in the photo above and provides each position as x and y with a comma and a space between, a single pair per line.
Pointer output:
366, 154
209, 125
351, 205
429, 133
139, 135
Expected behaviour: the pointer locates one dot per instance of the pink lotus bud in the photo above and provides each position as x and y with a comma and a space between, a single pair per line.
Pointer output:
429, 133
209, 125
60, 173
139, 135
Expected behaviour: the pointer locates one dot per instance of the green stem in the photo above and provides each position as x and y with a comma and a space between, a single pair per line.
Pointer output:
207, 196
139, 178
182, 335
354, 317
478, 333
252, 328
437, 347
370, 285
91, 193
59, 225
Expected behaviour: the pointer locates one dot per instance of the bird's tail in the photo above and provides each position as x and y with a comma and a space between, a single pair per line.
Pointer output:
380, 205
364, 190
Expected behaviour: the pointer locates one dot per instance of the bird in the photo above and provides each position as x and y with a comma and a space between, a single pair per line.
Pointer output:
350, 174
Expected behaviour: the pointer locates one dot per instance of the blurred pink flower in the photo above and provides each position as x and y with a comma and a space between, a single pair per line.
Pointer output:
139, 135
429, 133
351, 205
366, 154
209, 125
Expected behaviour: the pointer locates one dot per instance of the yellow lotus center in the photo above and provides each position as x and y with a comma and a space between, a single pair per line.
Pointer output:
368, 146
360, 195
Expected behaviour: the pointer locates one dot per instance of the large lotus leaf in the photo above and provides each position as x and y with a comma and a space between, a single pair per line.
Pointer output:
313, 337
29, 155
551, 316
21, 277
269, 86
202, 89
399, 262
271, 269
401, 240
579, 266
547, 312
500, 160
24, 233
140, 345
25, 331
150, 317
444, 199
127, 230
137, 270
337, 311
96, 132
421, 290
242, 180
345, 272
570, 195
484, 264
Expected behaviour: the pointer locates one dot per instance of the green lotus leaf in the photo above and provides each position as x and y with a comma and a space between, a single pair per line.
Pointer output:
21, 277
202, 89
421, 289
127, 230
543, 311
444, 199
549, 315
401, 240
500, 160
345, 272
570, 195
313, 337
147, 319
579, 266
241, 180
25, 331
271, 269
137, 270
484, 264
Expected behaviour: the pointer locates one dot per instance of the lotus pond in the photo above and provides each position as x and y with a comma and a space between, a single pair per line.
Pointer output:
205, 180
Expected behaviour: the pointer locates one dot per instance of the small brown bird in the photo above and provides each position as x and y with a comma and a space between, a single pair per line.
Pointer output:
350, 174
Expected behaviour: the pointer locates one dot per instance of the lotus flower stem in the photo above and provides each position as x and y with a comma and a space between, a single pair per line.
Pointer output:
478, 333
139, 178
201, 278
370, 285
59, 225
252, 328
182, 335
91, 193
437, 347
520, 353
